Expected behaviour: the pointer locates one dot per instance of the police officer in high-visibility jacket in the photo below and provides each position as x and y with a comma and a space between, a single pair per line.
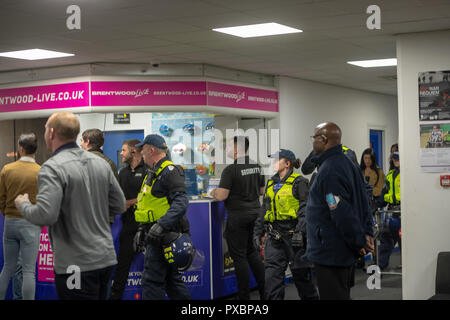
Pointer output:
161, 207
283, 219
390, 196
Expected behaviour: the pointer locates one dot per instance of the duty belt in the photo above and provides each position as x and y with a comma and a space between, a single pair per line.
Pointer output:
281, 237
277, 234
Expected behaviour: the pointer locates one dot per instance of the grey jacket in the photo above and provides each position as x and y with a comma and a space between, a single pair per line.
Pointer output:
77, 192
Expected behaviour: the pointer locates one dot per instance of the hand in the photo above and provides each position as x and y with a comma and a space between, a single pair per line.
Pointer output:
155, 234
297, 240
257, 242
20, 199
370, 246
130, 203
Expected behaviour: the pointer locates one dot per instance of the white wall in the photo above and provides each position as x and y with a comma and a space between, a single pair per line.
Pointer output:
305, 104
425, 215
105, 122
222, 123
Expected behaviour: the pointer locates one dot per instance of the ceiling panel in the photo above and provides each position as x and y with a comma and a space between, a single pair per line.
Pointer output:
160, 27
179, 31
137, 43
221, 20
249, 5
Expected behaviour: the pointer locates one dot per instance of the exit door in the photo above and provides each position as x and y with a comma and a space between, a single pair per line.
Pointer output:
376, 143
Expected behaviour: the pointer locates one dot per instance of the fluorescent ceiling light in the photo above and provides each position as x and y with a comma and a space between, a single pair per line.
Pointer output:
34, 54
374, 63
258, 30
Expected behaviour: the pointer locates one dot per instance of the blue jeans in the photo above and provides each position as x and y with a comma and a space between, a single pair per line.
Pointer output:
17, 281
159, 278
20, 236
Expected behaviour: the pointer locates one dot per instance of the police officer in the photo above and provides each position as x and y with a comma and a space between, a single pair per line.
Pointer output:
130, 180
240, 186
391, 197
161, 207
338, 216
283, 214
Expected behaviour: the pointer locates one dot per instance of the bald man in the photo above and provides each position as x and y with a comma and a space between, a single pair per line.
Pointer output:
77, 192
338, 216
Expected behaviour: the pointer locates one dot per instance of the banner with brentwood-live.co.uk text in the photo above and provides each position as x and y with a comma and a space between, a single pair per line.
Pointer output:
57, 96
181, 93
98, 94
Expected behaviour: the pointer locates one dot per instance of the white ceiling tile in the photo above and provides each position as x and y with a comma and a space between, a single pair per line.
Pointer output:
159, 28
248, 5
296, 12
221, 20
179, 31
98, 34
172, 50
138, 43
189, 37
414, 14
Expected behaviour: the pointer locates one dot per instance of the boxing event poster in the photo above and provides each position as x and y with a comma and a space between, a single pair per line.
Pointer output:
434, 121
434, 95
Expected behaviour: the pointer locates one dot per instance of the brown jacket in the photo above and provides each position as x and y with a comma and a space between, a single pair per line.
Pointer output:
377, 185
16, 178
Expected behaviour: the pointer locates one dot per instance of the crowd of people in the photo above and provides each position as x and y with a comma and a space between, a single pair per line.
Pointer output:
323, 224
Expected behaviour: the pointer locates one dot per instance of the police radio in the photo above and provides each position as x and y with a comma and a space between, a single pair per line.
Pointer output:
151, 175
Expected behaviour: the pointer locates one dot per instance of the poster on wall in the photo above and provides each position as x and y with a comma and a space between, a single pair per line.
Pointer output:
435, 147
434, 95
434, 120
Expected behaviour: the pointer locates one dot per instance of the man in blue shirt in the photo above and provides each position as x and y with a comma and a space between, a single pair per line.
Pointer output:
338, 217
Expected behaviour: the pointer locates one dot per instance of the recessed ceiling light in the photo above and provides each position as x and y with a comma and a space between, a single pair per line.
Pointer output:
374, 63
258, 30
34, 54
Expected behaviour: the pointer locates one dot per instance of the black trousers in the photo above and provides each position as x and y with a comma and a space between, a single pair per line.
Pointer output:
239, 236
276, 261
124, 259
334, 283
93, 285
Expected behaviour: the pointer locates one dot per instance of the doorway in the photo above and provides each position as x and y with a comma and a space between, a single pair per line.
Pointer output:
376, 143
113, 143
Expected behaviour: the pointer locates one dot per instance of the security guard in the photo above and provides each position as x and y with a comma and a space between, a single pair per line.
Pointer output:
161, 207
283, 217
130, 179
391, 197
240, 187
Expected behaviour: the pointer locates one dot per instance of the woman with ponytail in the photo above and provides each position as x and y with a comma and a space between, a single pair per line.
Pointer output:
283, 219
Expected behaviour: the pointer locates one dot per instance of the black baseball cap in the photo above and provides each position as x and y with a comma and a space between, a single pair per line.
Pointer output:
396, 155
153, 140
283, 153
